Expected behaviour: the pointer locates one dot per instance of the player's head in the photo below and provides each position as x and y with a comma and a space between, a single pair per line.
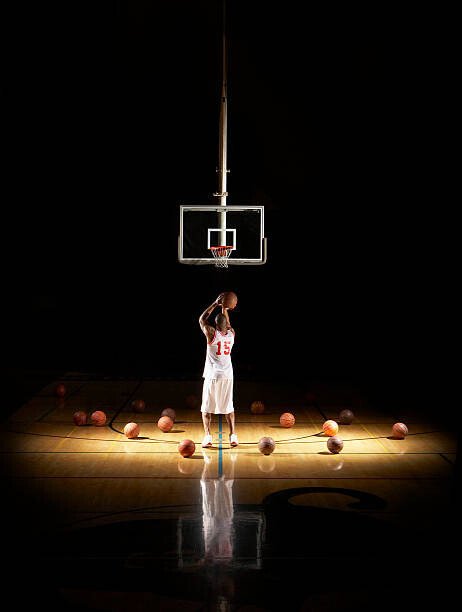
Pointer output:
220, 321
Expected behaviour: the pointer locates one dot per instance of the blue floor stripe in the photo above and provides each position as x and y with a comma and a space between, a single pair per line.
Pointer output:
220, 445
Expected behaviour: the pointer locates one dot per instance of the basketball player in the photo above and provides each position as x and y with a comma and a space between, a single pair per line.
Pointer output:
217, 390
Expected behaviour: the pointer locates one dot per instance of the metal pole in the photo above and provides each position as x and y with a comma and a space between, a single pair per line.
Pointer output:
222, 152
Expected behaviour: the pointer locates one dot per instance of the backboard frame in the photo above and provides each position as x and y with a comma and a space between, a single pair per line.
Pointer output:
240, 261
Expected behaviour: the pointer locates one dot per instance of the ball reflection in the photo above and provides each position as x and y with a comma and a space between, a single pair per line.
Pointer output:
266, 464
185, 466
334, 463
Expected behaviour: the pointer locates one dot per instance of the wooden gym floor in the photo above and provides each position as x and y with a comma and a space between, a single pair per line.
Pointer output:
106, 523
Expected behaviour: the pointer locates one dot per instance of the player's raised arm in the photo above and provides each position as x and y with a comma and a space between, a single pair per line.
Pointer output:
203, 319
228, 322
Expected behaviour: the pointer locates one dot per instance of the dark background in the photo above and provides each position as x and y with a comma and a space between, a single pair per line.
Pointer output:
337, 125
340, 124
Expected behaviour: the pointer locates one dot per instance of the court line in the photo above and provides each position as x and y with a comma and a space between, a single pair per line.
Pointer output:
443, 456
300, 440
288, 478
381, 444
74, 394
220, 445
316, 405
247, 454
46, 413
116, 414
153, 420
144, 510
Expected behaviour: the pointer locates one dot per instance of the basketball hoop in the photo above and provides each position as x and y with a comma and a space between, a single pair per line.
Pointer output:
221, 254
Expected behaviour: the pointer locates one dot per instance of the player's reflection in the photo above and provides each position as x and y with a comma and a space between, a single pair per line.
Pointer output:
217, 525
217, 511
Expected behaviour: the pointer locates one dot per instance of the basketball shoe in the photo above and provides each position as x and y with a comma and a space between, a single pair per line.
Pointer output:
233, 440
207, 441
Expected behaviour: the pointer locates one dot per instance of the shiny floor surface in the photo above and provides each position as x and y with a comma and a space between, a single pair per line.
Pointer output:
103, 522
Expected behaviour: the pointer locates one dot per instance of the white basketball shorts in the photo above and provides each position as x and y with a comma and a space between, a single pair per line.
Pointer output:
217, 395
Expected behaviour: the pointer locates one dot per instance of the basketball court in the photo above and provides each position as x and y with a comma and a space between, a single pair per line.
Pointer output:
323, 245
110, 523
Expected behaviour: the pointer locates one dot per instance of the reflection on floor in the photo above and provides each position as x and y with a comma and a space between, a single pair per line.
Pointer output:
102, 522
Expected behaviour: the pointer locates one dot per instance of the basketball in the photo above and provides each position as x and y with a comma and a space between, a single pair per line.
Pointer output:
98, 418
335, 444
186, 448
169, 412
138, 405
132, 430
266, 445
287, 419
257, 407
399, 431
229, 300
80, 417
60, 390
165, 423
346, 417
330, 428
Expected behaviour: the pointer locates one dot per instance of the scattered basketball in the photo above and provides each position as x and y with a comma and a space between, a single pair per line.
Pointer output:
346, 417
229, 299
60, 390
286, 419
257, 407
138, 405
193, 402
132, 430
169, 412
330, 428
165, 423
98, 418
399, 431
80, 417
186, 448
335, 444
266, 445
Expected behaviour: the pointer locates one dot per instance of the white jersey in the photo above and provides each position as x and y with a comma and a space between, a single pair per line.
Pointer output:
218, 357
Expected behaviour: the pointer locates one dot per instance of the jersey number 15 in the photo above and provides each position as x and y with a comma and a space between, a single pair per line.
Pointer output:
226, 348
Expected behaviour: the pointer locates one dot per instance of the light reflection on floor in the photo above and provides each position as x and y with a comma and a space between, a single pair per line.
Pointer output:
106, 521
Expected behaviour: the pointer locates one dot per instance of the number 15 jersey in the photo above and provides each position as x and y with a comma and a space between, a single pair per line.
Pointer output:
218, 357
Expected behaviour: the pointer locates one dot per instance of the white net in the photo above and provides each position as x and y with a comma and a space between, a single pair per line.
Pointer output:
221, 255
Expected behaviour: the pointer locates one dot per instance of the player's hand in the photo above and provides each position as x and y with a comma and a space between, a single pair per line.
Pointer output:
219, 299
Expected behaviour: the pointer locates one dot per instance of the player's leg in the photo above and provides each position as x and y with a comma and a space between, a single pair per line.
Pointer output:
207, 407
206, 421
228, 409
232, 429
231, 422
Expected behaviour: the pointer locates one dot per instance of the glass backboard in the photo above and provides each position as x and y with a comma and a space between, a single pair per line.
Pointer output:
206, 226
